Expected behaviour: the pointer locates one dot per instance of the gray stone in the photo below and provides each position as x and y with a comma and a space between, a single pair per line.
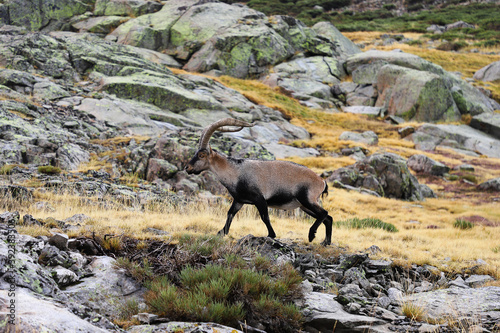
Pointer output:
490, 185
106, 287
462, 137
369, 110
457, 302
426, 165
175, 326
34, 314
405, 131
63, 276
386, 174
132, 8
478, 280
459, 282
60, 241
368, 137
395, 295
488, 123
70, 156
489, 72
322, 312
146, 318
345, 46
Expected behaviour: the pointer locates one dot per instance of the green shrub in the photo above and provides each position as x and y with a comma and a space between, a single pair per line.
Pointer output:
356, 223
463, 224
49, 170
389, 6
452, 46
227, 295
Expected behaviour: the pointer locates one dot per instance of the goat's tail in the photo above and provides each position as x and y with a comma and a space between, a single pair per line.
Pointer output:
325, 191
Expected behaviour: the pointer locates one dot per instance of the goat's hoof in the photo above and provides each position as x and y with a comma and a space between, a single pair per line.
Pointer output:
273, 236
325, 243
312, 235
221, 233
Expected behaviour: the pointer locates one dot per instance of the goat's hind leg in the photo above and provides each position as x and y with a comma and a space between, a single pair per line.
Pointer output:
321, 216
235, 208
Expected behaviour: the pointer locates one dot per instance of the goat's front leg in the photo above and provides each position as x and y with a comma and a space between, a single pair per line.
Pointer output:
235, 207
261, 205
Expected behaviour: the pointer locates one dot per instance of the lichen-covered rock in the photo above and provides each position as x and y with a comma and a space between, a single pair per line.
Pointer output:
47, 15
426, 165
35, 314
413, 94
459, 137
457, 302
99, 25
344, 47
368, 137
488, 123
133, 8
449, 95
489, 72
386, 174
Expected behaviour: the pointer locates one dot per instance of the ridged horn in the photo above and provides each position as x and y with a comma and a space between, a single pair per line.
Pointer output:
219, 125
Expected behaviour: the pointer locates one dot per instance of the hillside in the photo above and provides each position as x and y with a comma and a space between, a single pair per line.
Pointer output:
102, 104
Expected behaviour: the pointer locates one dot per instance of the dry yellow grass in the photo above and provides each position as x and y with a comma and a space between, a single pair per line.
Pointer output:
417, 240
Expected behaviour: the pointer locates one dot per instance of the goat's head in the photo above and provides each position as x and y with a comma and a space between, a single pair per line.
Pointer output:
201, 160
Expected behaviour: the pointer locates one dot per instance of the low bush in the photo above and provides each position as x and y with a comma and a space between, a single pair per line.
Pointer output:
229, 295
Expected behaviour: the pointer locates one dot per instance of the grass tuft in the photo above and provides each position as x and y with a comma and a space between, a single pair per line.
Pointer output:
356, 223
463, 224
49, 170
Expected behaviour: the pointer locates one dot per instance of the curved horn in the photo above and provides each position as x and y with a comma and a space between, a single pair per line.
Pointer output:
210, 129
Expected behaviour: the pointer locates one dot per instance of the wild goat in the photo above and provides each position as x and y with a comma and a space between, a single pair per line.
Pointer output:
276, 184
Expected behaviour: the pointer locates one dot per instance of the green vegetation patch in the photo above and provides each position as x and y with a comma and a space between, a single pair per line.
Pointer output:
420, 16
49, 170
356, 223
463, 224
228, 295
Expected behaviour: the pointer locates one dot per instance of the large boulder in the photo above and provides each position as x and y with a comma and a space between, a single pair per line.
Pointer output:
46, 15
426, 165
489, 72
234, 39
322, 312
492, 185
385, 174
462, 138
458, 302
311, 76
416, 88
35, 314
132, 8
488, 123
344, 46
414, 94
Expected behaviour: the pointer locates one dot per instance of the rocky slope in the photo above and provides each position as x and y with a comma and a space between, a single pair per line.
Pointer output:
96, 81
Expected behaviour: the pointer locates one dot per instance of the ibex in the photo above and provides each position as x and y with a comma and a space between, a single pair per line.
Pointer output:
276, 184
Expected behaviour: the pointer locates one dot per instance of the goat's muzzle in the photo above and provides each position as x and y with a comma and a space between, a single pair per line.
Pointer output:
189, 168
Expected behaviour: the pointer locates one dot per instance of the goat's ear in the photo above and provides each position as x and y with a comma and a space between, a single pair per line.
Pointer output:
210, 151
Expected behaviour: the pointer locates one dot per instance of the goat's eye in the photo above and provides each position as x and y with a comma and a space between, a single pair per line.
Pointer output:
202, 155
